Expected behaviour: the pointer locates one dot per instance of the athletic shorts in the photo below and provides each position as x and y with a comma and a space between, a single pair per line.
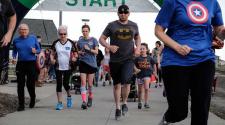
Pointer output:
121, 72
85, 68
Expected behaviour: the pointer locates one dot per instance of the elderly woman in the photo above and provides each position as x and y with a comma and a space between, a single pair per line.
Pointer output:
62, 53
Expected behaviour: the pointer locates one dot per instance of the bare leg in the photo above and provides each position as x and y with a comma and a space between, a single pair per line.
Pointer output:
117, 95
125, 92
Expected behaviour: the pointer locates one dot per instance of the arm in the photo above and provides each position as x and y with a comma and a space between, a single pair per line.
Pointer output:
37, 46
138, 44
102, 41
181, 49
7, 37
52, 57
14, 54
220, 32
95, 50
112, 48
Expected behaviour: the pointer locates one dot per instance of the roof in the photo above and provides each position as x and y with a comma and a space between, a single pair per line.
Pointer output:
44, 28
96, 5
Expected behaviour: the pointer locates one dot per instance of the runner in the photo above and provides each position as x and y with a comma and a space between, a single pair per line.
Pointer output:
188, 62
123, 34
88, 49
148, 67
62, 50
26, 46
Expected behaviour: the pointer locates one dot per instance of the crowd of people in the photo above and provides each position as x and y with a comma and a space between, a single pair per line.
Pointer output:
186, 50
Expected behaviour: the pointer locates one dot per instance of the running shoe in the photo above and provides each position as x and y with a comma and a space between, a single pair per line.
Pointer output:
84, 105
118, 114
20, 108
59, 106
124, 109
146, 106
89, 103
139, 105
164, 122
69, 102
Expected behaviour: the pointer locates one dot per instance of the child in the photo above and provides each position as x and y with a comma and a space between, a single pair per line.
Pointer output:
147, 66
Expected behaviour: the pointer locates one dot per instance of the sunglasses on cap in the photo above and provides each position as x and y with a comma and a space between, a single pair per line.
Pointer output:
123, 12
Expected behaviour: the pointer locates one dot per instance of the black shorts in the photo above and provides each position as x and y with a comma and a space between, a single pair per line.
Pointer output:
85, 68
121, 72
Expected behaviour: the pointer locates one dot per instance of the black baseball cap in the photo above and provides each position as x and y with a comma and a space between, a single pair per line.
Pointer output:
123, 9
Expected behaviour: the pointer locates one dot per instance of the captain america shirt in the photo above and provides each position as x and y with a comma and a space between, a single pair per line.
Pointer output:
189, 22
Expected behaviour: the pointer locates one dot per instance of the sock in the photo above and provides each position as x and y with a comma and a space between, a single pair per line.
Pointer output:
90, 92
83, 93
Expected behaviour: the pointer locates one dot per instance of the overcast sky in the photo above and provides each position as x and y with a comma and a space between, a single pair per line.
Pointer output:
98, 21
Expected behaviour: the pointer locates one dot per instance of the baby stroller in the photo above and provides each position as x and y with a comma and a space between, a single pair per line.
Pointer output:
106, 77
133, 88
75, 81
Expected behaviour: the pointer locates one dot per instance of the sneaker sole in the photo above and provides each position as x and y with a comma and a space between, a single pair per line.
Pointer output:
117, 118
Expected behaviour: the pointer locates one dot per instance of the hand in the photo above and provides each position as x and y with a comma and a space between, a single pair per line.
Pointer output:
113, 48
86, 47
159, 66
53, 61
221, 34
33, 50
137, 52
217, 43
183, 50
13, 61
81, 52
6, 39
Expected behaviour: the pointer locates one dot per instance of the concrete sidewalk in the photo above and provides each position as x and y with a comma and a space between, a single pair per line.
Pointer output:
102, 112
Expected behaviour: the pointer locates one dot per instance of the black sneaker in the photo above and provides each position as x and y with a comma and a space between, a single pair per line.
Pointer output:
118, 114
139, 105
84, 105
124, 109
164, 122
89, 103
32, 103
146, 106
20, 108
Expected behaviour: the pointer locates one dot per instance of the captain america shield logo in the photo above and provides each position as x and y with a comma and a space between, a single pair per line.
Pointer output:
197, 12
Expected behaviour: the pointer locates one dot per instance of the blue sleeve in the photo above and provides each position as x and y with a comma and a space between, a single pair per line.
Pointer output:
37, 46
217, 19
14, 53
95, 42
165, 14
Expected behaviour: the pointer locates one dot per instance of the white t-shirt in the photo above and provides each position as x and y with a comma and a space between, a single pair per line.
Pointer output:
63, 52
106, 59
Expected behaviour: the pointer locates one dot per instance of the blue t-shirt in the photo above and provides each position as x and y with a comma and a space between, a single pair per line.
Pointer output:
88, 57
23, 46
146, 65
189, 23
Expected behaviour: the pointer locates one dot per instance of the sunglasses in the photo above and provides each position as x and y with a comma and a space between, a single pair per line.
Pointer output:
123, 12
62, 34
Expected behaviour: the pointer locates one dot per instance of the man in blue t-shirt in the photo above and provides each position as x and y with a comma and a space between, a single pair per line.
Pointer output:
188, 58
26, 46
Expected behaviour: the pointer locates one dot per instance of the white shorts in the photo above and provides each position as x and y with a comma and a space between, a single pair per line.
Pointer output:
141, 80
